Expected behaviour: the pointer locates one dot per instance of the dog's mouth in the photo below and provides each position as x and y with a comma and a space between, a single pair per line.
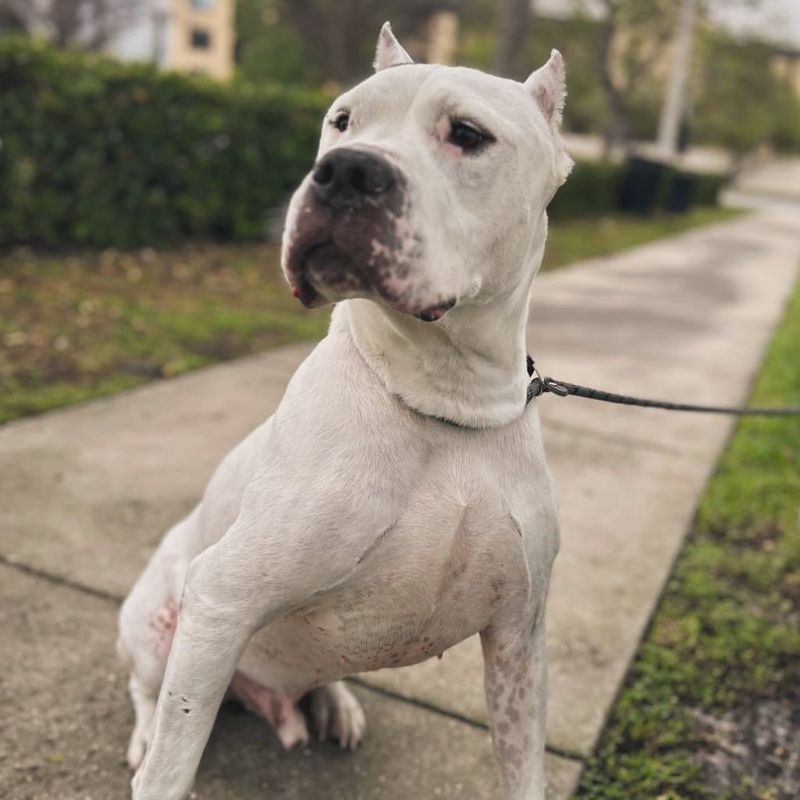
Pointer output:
323, 272
435, 313
316, 264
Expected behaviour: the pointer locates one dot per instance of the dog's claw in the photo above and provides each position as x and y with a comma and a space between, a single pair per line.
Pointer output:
337, 712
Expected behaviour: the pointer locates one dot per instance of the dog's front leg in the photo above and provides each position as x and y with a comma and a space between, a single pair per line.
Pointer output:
223, 602
515, 673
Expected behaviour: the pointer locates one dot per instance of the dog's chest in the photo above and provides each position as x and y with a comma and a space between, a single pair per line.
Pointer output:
429, 581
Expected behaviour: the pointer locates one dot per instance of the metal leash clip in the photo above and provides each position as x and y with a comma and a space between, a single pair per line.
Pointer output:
555, 387
539, 385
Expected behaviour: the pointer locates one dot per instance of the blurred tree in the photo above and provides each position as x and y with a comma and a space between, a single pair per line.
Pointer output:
514, 23
635, 35
739, 102
633, 57
617, 63
340, 35
11, 18
327, 40
576, 37
268, 49
88, 24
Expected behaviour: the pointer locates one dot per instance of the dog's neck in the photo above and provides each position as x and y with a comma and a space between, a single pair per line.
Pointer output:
469, 368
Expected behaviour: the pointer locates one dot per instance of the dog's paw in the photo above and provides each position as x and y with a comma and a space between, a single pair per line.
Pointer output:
337, 713
137, 748
278, 708
292, 730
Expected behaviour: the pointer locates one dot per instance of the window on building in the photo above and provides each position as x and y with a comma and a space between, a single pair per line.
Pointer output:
202, 4
201, 39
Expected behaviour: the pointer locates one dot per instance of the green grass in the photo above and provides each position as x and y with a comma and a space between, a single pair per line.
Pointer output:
84, 325
87, 325
725, 638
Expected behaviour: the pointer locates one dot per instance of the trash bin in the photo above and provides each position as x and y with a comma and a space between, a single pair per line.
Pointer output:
641, 185
681, 192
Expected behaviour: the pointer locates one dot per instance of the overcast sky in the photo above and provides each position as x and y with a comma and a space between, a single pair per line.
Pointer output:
775, 20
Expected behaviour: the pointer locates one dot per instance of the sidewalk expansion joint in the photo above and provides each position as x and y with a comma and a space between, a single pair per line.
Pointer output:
59, 581
454, 715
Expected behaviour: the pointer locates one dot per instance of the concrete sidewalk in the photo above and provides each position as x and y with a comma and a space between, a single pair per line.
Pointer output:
86, 493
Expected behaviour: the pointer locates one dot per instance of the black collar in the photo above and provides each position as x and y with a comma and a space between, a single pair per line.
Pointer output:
535, 388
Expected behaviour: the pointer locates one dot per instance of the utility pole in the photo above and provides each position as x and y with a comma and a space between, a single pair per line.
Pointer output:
675, 97
159, 40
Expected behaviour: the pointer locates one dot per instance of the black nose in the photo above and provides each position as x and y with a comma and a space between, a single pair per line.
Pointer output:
345, 178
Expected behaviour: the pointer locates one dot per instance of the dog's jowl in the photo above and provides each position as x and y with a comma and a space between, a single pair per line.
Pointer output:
398, 501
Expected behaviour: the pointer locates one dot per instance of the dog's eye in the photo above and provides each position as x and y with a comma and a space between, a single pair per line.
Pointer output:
341, 121
467, 136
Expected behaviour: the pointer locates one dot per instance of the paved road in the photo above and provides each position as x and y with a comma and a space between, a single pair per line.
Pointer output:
86, 493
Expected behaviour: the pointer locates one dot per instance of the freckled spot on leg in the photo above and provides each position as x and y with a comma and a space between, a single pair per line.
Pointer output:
163, 624
514, 753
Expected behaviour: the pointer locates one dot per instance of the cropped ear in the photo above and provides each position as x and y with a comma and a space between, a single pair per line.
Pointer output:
548, 87
390, 52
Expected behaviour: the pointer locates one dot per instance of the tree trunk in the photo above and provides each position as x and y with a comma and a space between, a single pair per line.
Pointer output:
618, 128
514, 23
66, 21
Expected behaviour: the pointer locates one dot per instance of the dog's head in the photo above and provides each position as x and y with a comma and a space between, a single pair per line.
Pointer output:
429, 186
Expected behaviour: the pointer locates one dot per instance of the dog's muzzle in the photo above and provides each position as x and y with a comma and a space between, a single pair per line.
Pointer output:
351, 237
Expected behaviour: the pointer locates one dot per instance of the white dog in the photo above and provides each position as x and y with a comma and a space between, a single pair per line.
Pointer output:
398, 501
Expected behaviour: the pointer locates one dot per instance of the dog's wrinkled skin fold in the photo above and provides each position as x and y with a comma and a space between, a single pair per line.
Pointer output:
355, 529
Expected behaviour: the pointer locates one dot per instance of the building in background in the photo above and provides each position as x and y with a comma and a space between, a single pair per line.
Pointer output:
785, 64
195, 36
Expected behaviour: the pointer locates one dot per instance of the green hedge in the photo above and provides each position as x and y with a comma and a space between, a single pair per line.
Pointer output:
592, 189
595, 188
95, 152
100, 153
707, 188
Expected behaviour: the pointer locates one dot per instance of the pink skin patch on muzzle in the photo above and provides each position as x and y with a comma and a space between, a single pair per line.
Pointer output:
366, 251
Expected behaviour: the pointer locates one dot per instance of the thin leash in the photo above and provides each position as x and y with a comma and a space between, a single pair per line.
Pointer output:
540, 385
